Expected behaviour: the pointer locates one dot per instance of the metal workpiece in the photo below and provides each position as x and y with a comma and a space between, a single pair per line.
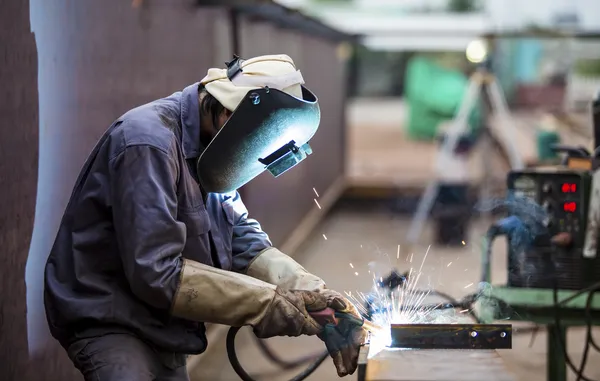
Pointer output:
452, 336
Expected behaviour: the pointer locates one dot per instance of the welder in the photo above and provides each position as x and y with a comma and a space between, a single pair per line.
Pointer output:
155, 240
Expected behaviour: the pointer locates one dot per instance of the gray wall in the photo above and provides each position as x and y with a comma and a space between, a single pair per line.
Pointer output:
94, 61
97, 59
18, 175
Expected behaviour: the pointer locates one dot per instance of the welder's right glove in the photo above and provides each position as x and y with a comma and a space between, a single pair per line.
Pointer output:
210, 295
343, 341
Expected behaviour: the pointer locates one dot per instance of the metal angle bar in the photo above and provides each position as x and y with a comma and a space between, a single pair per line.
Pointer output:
363, 360
452, 336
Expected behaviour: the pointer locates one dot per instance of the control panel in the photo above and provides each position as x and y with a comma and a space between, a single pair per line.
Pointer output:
563, 194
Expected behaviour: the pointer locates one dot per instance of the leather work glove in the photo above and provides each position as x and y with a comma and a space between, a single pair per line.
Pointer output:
210, 295
288, 314
273, 266
343, 341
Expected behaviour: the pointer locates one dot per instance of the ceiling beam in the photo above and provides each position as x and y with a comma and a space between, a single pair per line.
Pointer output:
283, 17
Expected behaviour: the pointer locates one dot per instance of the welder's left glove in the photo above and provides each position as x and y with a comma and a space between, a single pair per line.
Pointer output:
343, 341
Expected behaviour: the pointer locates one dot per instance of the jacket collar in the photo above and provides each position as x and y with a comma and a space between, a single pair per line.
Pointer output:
190, 122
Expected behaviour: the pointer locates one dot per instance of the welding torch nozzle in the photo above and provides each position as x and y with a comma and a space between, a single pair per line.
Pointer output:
371, 327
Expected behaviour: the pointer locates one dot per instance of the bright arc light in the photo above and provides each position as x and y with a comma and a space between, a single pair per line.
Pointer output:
383, 339
380, 340
403, 304
477, 51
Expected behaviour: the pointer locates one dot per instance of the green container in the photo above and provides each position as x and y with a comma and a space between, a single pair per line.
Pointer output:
545, 140
434, 95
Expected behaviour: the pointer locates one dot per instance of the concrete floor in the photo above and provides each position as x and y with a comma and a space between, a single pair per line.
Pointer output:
372, 238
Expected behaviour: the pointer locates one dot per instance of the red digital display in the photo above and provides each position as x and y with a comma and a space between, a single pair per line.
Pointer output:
569, 188
570, 207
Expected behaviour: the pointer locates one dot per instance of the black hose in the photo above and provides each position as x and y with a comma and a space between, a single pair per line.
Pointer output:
285, 364
239, 370
563, 344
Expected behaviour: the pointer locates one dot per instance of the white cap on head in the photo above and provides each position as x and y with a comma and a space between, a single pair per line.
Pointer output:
273, 71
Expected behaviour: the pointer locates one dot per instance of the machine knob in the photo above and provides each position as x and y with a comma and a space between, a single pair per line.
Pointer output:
547, 188
562, 239
547, 205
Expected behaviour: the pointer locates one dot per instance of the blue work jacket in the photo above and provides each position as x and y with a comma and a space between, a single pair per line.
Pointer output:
136, 211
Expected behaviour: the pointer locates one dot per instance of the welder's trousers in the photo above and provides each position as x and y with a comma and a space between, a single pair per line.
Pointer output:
123, 357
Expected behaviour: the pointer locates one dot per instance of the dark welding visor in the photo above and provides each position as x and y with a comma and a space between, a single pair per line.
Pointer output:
269, 129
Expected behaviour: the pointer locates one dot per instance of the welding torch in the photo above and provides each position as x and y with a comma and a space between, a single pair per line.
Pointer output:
331, 316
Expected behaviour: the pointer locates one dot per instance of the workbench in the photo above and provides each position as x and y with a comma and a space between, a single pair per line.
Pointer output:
393, 364
433, 365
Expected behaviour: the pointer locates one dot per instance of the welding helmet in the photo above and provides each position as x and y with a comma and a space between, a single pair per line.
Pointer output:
274, 116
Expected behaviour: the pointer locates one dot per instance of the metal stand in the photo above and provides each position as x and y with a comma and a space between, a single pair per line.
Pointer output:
482, 83
556, 367
538, 306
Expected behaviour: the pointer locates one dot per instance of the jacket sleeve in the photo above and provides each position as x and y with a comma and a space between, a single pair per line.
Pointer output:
248, 237
143, 193
254, 255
